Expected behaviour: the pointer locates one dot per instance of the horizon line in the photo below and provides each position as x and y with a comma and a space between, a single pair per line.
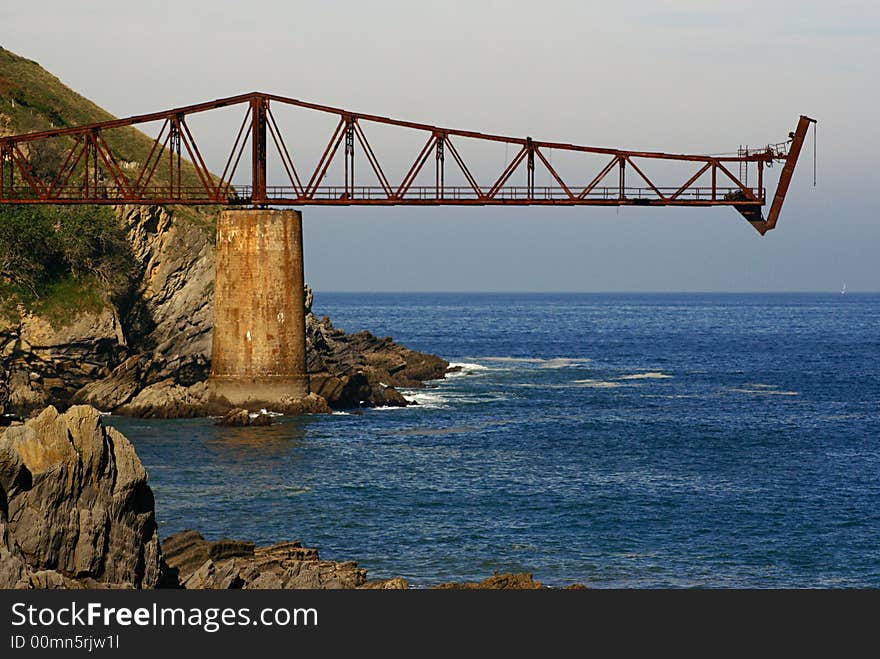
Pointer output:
573, 292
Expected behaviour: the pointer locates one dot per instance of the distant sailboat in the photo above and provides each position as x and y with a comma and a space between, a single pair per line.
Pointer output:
843, 290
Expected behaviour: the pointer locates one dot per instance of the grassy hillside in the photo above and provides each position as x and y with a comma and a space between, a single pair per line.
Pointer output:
61, 260
32, 99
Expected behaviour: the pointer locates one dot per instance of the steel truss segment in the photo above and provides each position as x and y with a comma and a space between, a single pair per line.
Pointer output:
321, 168
416, 167
112, 166
691, 181
645, 178
746, 191
90, 173
152, 162
508, 172
21, 162
464, 169
235, 153
371, 158
602, 174
553, 173
64, 174
198, 162
284, 153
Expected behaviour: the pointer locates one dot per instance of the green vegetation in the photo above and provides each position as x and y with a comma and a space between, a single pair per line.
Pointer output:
32, 99
60, 260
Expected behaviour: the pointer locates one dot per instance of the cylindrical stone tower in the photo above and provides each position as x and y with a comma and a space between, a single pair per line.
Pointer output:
258, 355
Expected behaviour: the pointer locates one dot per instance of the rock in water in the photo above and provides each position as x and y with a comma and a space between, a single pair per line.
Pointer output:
311, 404
167, 400
241, 417
506, 581
75, 505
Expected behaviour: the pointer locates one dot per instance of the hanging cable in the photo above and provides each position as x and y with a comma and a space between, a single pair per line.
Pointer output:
815, 129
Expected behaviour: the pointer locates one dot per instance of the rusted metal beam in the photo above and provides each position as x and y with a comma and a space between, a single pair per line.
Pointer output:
258, 105
794, 151
83, 178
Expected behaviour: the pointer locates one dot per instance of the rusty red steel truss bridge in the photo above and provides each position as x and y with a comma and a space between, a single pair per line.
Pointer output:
89, 172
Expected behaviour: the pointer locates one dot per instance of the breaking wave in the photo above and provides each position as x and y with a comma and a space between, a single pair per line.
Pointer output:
650, 375
596, 384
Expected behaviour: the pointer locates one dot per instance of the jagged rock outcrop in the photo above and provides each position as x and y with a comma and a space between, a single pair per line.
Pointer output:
14, 571
507, 581
239, 417
42, 363
229, 564
171, 310
74, 505
168, 400
359, 370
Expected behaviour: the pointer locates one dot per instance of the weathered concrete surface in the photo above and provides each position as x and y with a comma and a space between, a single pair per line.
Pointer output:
258, 353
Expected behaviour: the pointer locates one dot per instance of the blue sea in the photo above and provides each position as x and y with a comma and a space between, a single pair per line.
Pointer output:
625, 440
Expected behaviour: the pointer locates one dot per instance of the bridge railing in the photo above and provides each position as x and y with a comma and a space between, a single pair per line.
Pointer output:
340, 195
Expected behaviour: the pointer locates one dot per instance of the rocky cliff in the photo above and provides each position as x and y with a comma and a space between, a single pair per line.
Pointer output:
75, 507
148, 352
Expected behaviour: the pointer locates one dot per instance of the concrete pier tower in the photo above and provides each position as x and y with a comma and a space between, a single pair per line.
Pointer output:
258, 355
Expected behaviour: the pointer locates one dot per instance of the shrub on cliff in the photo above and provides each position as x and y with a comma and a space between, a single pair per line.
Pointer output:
44, 246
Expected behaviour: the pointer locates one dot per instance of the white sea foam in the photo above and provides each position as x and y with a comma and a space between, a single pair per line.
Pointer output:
263, 412
564, 362
293, 490
340, 413
512, 360
466, 368
764, 391
596, 384
672, 396
650, 375
553, 362
426, 399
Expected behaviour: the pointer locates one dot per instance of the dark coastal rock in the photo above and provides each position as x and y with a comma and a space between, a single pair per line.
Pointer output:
168, 400
170, 312
227, 564
76, 505
9, 419
41, 363
187, 551
396, 583
310, 404
393, 398
357, 370
14, 571
238, 417
507, 581
116, 389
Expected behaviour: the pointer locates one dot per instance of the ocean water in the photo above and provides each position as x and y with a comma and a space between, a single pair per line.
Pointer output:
669, 440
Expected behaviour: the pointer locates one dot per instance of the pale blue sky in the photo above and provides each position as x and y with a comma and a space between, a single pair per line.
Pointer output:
677, 75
